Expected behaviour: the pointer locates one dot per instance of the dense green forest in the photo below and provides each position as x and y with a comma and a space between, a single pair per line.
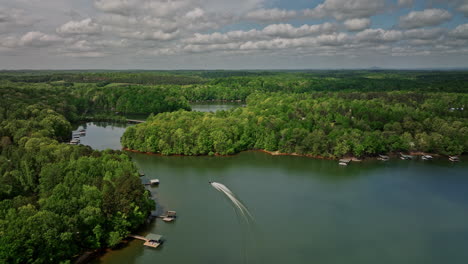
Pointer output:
57, 200
320, 124
238, 85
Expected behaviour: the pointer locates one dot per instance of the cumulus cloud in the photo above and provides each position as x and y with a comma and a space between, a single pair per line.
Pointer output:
357, 24
460, 31
425, 18
183, 27
346, 9
270, 31
379, 35
85, 27
463, 8
9, 42
425, 34
12, 19
405, 3
38, 39
121, 7
156, 35
275, 14
288, 31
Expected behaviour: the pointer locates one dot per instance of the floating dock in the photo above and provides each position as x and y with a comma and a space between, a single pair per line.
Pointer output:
151, 240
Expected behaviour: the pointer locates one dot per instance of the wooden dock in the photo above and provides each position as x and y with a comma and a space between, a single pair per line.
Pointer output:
151, 240
138, 237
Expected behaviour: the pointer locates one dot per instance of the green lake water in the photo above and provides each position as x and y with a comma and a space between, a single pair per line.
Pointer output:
305, 210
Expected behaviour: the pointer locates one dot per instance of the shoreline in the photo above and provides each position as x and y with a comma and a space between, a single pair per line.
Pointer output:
277, 153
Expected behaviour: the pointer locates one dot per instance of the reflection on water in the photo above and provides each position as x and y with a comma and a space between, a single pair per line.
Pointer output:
306, 210
102, 135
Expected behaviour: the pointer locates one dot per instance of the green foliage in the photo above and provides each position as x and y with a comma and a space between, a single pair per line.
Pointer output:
57, 200
319, 124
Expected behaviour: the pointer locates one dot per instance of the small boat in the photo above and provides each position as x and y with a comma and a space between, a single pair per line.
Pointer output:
172, 213
168, 219
454, 158
170, 216
82, 130
405, 157
344, 162
383, 157
74, 141
154, 182
426, 157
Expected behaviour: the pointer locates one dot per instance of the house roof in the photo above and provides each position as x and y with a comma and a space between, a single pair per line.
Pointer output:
154, 237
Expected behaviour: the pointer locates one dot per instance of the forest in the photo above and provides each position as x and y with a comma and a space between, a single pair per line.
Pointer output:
59, 200
321, 124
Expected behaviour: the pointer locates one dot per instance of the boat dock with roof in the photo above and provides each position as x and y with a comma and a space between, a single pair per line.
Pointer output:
151, 240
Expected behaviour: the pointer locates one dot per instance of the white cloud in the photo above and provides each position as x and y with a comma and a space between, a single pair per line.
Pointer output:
460, 31
346, 9
424, 33
379, 35
463, 8
405, 3
196, 13
12, 19
121, 7
90, 54
9, 42
270, 31
428, 17
38, 39
357, 24
145, 35
85, 27
288, 31
141, 28
275, 14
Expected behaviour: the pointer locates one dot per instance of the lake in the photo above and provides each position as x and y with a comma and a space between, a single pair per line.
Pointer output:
305, 210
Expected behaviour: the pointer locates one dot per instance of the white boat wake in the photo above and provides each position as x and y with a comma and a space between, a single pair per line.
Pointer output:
242, 213
237, 204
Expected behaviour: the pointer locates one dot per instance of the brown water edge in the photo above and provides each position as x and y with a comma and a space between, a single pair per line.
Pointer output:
277, 153
90, 255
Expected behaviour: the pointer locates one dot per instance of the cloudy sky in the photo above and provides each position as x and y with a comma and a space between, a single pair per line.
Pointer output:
233, 34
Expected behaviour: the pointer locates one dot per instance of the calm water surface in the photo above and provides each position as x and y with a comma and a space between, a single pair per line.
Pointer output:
305, 210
